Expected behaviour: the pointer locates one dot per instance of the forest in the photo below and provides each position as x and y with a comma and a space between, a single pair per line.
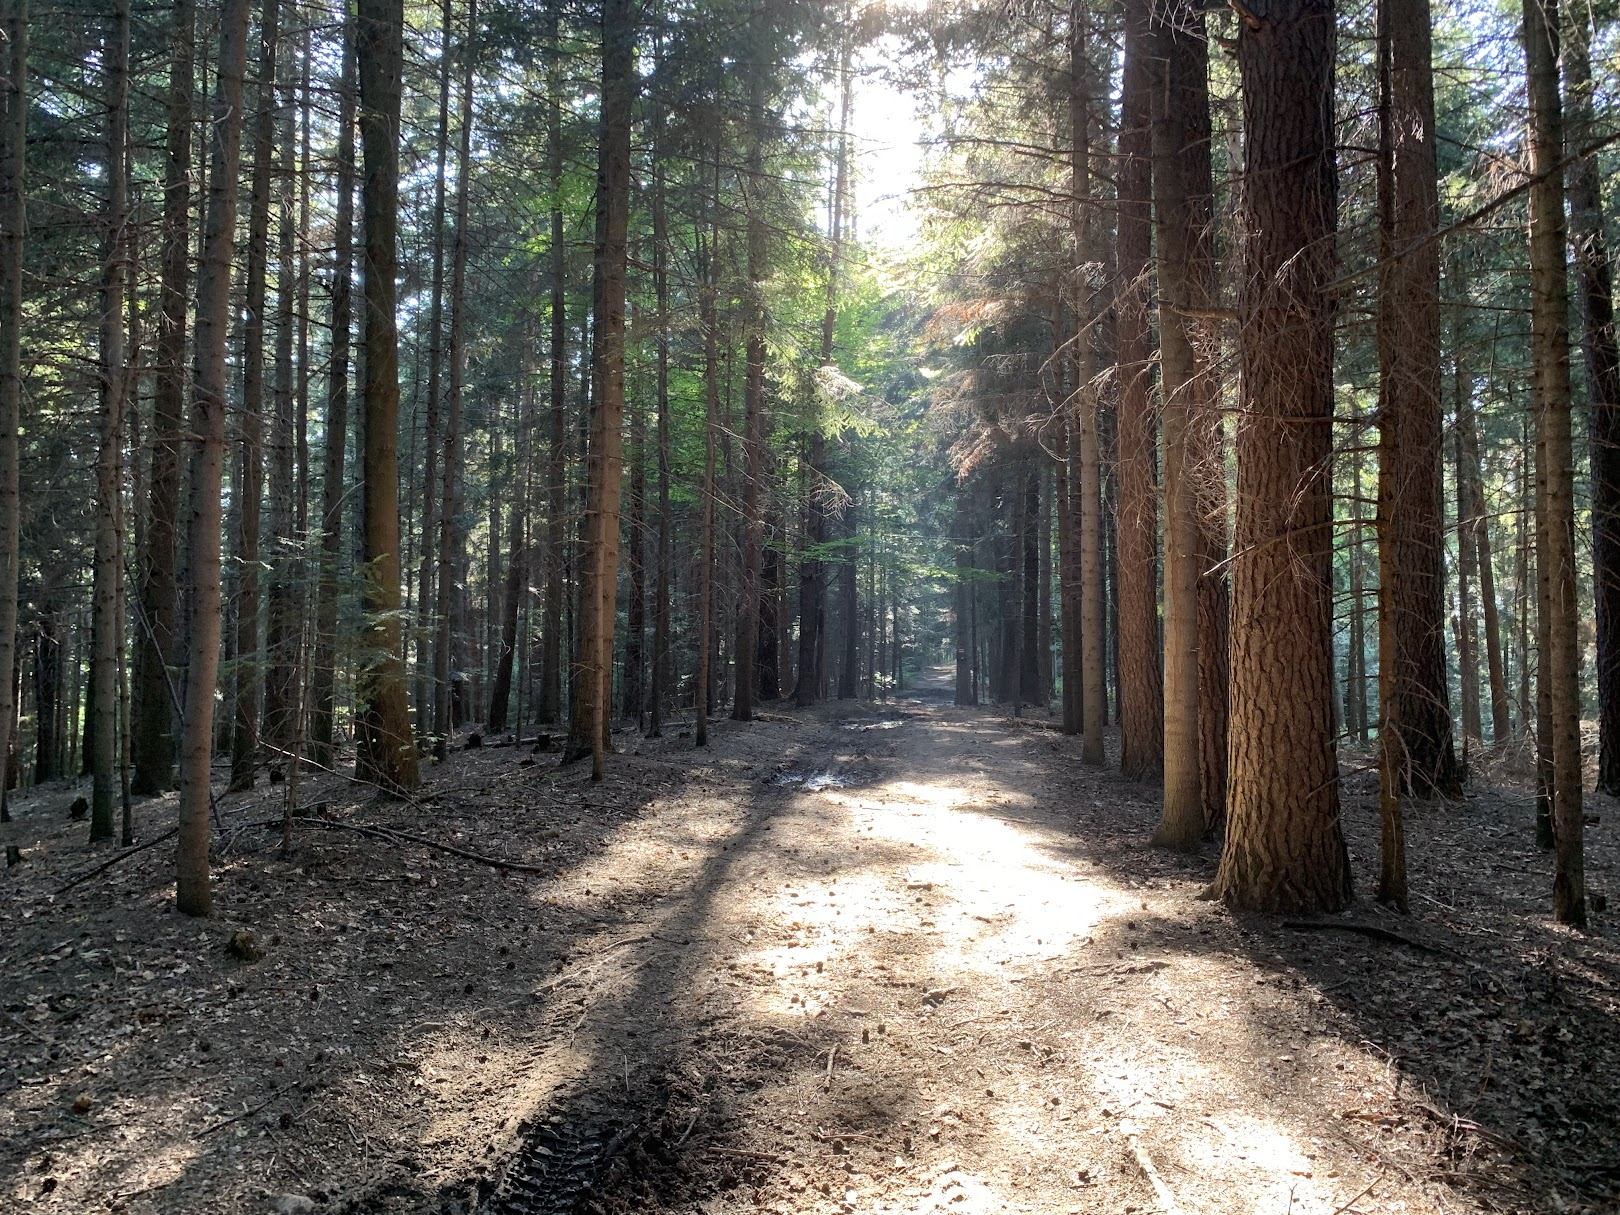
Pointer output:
760, 605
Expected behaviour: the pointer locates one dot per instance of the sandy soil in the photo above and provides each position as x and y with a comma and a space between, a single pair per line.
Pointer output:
897, 958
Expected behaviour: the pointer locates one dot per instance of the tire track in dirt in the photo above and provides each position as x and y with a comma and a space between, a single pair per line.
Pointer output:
924, 990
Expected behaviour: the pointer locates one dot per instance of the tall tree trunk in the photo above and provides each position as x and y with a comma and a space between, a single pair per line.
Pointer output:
1595, 276
449, 549
1141, 678
283, 623
556, 552
13, 208
157, 641
323, 676
1284, 847
708, 301
662, 588
592, 691
1094, 708
429, 685
748, 622
1177, 94
1549, 302
1535, 507
248, 494
812, 567
1413, 690
192, 893
387, 751
109, 463
1415, 746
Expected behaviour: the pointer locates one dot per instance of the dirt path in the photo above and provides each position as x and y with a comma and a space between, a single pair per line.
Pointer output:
899, 958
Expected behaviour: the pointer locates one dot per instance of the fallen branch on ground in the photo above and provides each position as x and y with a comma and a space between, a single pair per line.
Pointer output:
387, 833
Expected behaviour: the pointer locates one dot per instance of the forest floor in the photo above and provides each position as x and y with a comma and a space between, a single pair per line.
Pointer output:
898, 958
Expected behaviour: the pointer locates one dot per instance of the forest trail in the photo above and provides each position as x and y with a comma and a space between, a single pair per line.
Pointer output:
864, 958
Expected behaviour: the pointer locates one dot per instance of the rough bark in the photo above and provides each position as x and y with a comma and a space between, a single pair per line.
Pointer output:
387, 754
192, 893
592, 687
1284, 848
1549, 305
1415, 708
1181, 220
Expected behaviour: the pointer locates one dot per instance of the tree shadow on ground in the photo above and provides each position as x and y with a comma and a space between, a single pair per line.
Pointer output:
1498, 1031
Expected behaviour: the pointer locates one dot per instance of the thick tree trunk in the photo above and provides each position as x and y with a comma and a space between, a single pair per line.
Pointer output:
1416, 756
157, 642
449, 547
108, 555
592, 688
1415, 710
192, 893
323, 676
1284, 847
1549, 302
387, 755
1141, 677
1181, 217
1595, 276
